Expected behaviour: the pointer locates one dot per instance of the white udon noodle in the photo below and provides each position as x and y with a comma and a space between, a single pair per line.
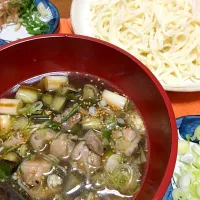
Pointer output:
163, 34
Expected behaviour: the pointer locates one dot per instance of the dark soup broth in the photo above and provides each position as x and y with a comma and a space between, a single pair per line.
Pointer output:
71, 137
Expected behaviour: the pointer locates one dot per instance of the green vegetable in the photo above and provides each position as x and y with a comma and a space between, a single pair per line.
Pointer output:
178, 194
39, 119
128, 106
6, 169
110, 152
3, 176
62, 91
6, 150
47, 99
28, 14
77, 129
188, 137
90, 92
177, 175
122, 158
12, 156
20, 170
26, 6
183, 146
110, 124
37, 30
91, 123
188, 177
27, 94
196, 134
20, 123
71, 96
54, 126
73, 111
23, 150
12, 4
142, 155
107, 133
58, 103
122, 179
196, 149
31, 109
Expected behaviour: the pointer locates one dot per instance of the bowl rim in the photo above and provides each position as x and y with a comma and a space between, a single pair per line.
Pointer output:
174, 145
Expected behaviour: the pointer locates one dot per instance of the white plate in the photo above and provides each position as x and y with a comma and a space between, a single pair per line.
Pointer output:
80, 17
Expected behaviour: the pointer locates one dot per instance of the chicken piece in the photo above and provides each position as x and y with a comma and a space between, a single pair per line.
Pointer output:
116, 135
93, 142
71, 122
62, 147
40, 138
82, 158
134, 144
15, 140
57, 118
126, 141
129, 134
32, 171
76, 153
94, 160
134, 120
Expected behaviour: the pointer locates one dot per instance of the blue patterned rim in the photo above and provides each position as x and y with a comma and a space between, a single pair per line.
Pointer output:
2, 42
53, 23
186, 125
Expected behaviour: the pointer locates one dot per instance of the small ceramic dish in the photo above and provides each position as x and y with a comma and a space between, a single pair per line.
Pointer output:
9, 33
185, 125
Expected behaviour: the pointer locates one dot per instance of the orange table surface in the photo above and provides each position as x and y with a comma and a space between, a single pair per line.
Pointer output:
182, 103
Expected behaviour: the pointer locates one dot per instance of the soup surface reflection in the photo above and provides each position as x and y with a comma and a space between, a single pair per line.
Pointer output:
71, 138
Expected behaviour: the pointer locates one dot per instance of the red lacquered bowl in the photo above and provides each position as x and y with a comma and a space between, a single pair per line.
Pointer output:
54, 53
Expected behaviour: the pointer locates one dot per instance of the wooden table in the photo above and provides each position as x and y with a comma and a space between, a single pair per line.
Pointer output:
63, 7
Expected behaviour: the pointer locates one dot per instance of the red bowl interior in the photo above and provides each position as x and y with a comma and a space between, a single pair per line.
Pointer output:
37, 55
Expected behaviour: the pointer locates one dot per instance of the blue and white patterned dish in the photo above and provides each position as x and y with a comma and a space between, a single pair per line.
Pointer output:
185, 125
8, 33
